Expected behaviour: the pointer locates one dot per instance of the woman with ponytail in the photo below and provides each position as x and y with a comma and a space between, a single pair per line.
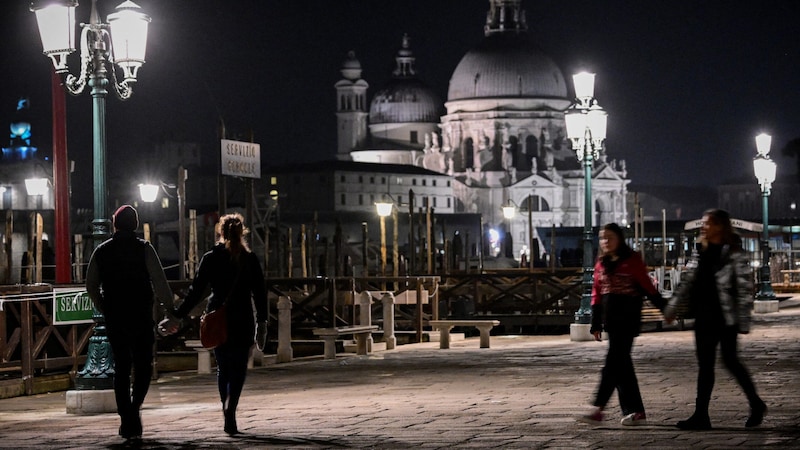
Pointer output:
236, 280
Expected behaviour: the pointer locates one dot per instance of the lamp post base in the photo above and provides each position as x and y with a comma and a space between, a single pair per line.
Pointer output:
765, 306
91, 401
579, 332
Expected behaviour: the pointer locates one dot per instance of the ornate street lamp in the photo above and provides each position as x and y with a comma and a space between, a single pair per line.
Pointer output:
764, 169
122, 42
586, 127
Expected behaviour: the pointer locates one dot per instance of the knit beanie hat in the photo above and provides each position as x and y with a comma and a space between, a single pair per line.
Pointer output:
126, 218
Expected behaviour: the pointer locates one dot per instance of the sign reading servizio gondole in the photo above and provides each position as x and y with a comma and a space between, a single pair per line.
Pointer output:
71, 306
241, 159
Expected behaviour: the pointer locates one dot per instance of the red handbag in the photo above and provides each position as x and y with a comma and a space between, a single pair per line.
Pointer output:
213, 328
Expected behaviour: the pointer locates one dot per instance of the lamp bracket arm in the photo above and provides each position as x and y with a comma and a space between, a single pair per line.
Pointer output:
165, 186
123, 90
76, 85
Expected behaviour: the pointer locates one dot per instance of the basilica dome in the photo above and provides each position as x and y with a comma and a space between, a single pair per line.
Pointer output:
404, 100
506, 65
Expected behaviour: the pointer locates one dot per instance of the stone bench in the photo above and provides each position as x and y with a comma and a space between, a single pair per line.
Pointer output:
444, 327
203, 356
329, 335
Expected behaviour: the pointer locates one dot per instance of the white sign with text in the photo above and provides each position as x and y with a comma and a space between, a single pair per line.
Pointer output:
241, 159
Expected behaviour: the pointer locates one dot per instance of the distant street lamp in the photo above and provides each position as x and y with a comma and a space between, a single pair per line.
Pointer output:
38, 188
149, 193
509, 212
586, 127
764, 169
121, 41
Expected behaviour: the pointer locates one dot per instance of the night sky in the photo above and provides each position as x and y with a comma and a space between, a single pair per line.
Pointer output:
687, 85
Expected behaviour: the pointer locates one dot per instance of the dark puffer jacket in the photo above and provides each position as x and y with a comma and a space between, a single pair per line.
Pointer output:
124, 289
734, 285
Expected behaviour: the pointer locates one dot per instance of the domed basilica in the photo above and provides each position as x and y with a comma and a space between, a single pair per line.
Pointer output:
500, 135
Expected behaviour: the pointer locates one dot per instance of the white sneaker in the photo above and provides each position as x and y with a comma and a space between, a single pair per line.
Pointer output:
634, 419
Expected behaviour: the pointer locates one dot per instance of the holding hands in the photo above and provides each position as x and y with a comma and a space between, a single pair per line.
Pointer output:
169, 325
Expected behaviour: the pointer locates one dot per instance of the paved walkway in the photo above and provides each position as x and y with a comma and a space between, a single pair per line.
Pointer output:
522, 393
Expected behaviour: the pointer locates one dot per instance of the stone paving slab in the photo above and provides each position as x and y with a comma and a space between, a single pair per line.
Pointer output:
523, 393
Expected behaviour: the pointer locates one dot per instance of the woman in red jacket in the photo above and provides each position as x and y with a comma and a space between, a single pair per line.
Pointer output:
620, 283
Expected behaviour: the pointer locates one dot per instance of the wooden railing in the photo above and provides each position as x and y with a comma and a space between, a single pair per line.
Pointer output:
29, 341
31, 345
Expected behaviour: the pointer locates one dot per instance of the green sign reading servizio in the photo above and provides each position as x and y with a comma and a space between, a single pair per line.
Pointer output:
70, 307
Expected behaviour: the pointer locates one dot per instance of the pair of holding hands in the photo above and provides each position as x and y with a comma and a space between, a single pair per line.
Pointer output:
170, 325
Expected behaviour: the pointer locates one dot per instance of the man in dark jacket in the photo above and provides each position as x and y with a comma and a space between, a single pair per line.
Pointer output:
123, 275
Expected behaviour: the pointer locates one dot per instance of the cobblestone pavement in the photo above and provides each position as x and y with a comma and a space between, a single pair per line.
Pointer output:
523, 393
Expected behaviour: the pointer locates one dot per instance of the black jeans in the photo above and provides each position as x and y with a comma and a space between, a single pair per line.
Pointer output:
618, 373
707, 337
133, 349
231, 372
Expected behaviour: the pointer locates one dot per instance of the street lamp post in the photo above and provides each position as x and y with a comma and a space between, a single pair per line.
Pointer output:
764, 169
122, 42
793, 207
586, 127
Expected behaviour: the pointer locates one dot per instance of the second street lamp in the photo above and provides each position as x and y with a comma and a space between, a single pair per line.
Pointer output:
586, 127
765, 169
149, 192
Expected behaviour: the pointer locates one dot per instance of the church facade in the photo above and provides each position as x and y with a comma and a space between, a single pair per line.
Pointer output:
500, 135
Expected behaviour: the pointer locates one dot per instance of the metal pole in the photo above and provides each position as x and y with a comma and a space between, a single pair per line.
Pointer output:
531, 255
412, 249
395, 246
584, 313
61, 182
98, 372
182, 222
383, 246
101, 226
765, 291
364, 244
664, 239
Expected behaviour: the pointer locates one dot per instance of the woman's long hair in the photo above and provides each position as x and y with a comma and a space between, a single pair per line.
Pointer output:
723, 219
231, 231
